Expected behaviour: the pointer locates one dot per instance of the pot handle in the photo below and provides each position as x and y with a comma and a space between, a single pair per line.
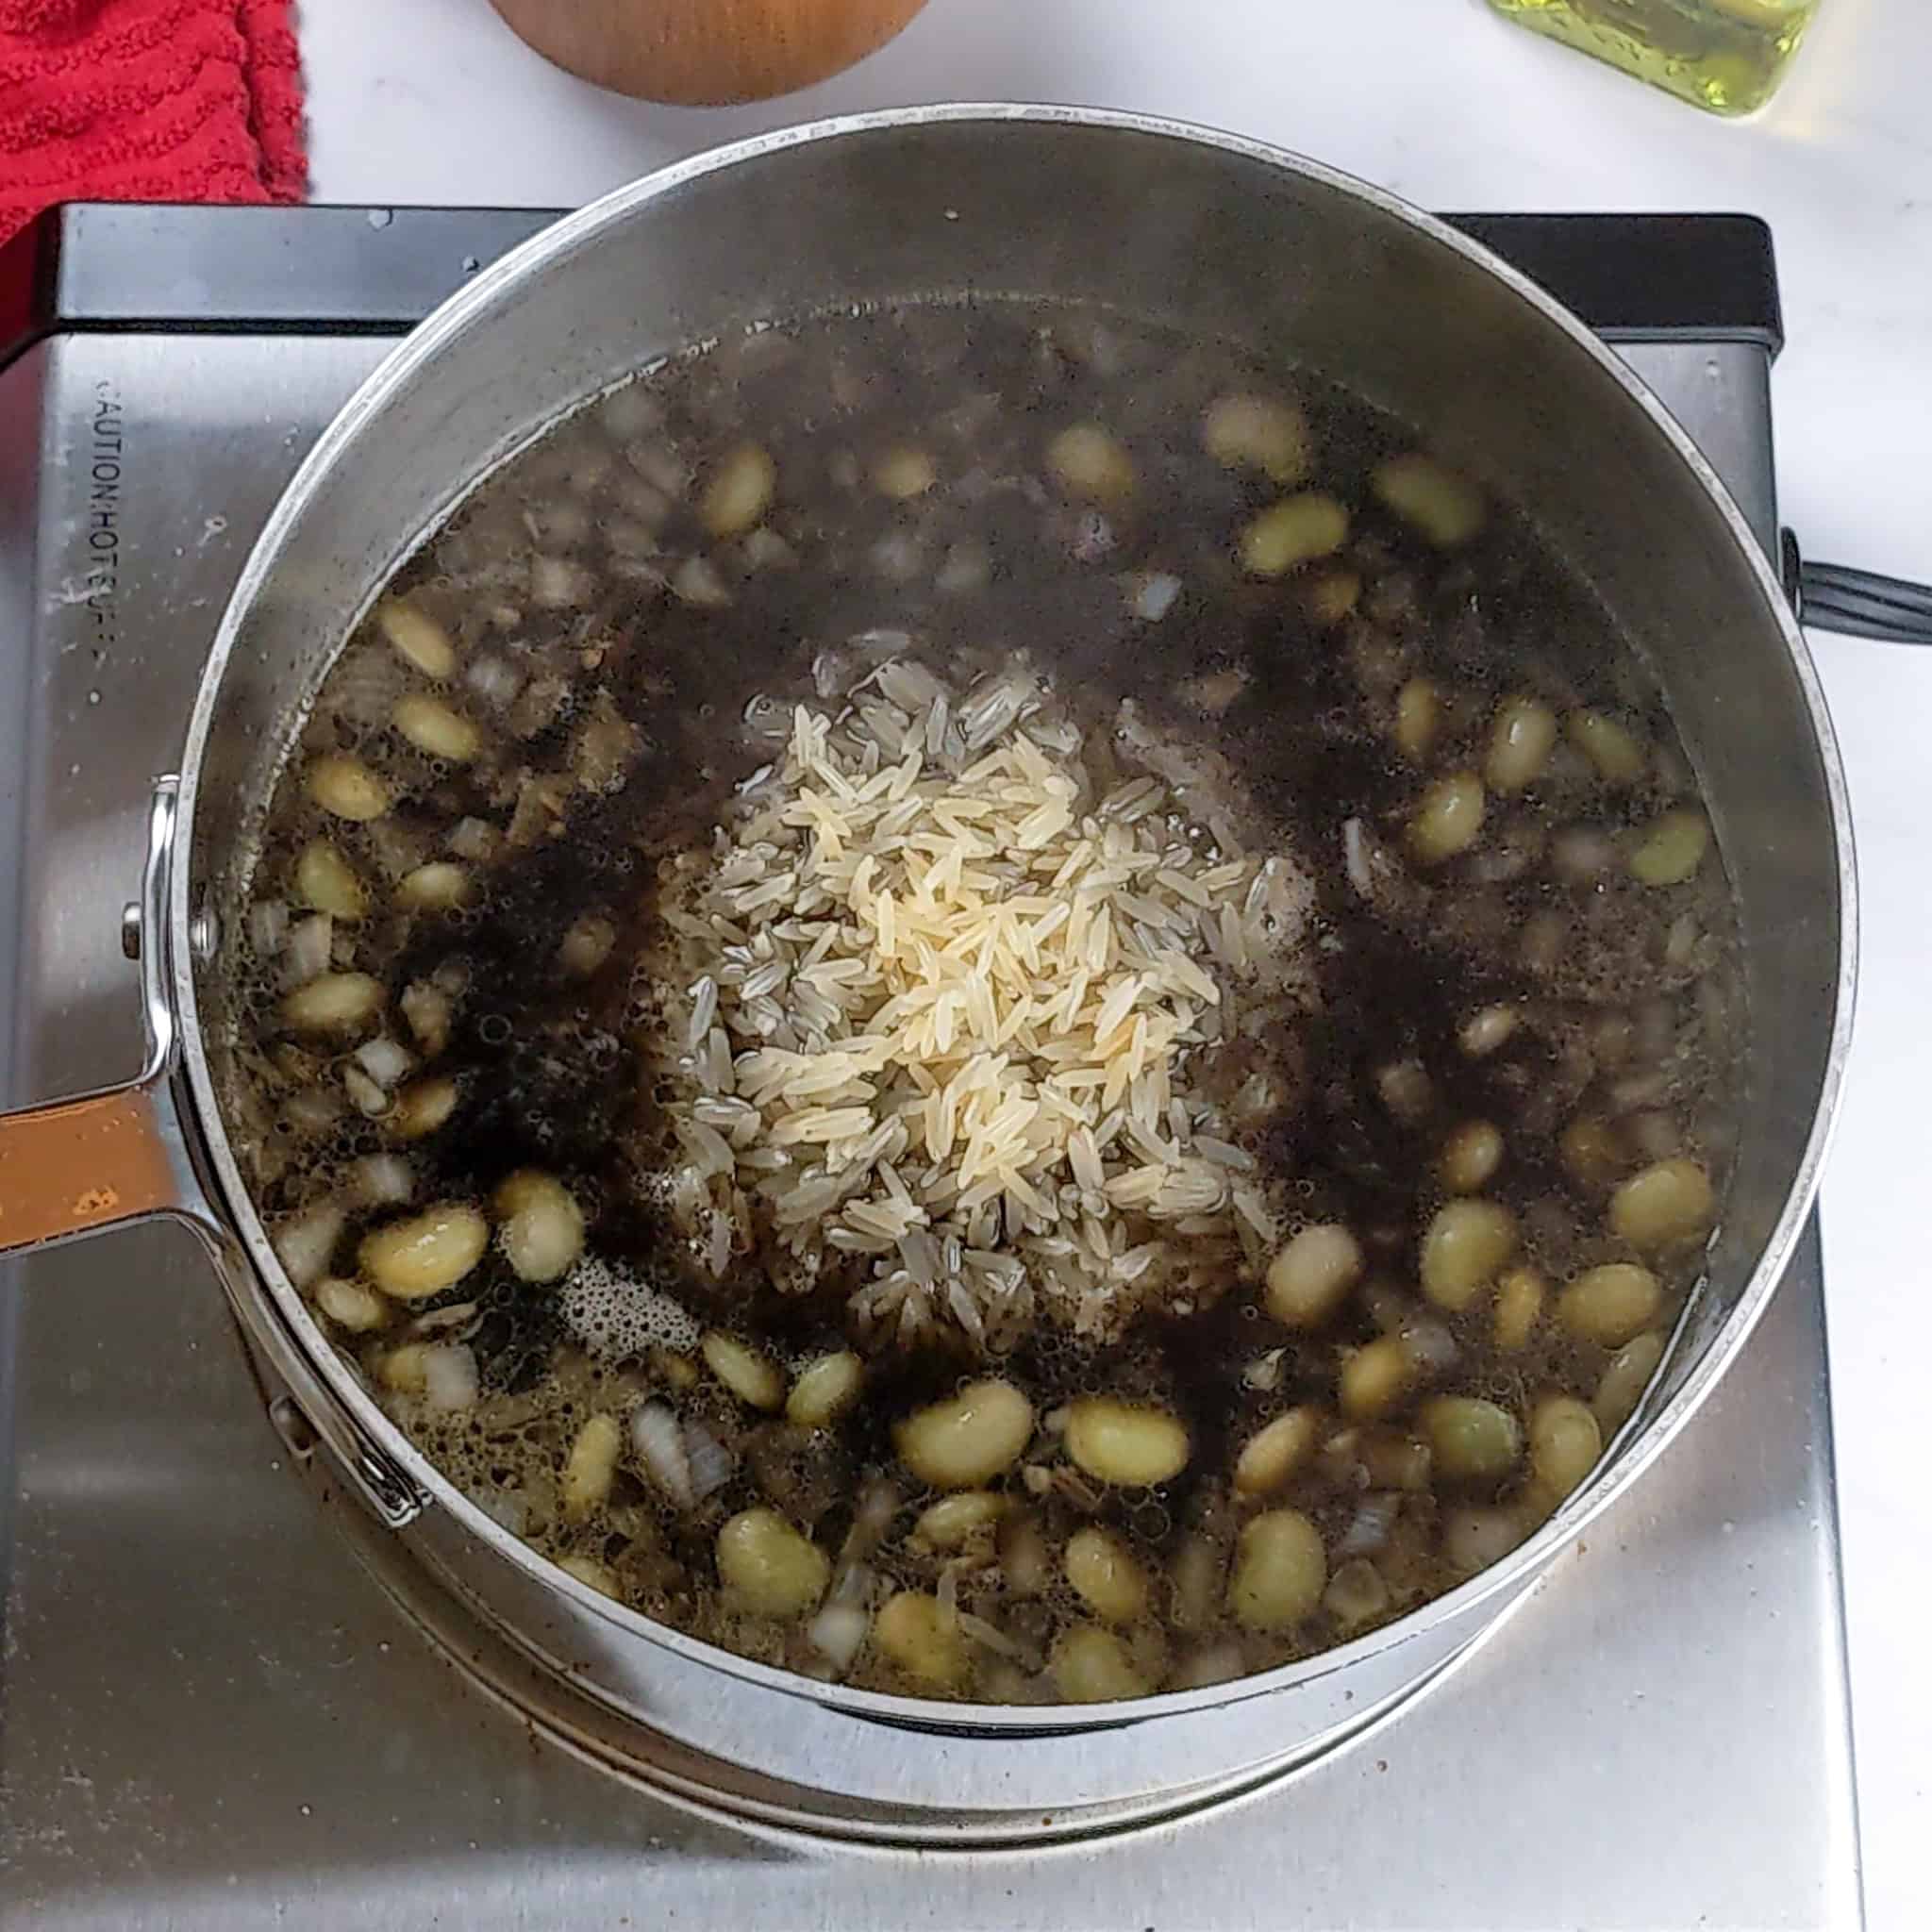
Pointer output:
73, 1168
1856, 602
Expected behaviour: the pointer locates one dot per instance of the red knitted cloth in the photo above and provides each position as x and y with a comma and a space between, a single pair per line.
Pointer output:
147, 100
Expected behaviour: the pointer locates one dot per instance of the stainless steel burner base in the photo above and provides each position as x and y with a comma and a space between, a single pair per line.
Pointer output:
210, 1722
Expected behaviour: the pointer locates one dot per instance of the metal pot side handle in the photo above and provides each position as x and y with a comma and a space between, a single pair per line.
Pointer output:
1856, 602
73, 1168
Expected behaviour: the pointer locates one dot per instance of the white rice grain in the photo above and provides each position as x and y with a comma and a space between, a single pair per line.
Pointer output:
917, 940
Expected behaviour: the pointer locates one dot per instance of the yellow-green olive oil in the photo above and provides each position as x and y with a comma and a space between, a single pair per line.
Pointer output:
1727, 56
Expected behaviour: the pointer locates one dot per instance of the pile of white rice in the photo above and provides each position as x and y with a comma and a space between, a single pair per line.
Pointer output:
947, 1011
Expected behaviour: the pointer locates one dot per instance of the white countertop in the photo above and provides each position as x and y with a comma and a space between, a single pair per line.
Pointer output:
435, 101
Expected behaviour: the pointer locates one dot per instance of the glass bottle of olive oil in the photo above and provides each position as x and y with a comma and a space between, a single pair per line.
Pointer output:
1727, 56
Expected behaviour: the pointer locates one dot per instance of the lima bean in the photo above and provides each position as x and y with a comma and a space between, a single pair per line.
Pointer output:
1446, 508
1132, 1445
1106, 1576
1090, 1665
1463, 1250
1280, 1570
770, 1568
915, 1633
1311, 1277
424, 1254
540, 1225
963, 1443
1611, 1304
1664, 1205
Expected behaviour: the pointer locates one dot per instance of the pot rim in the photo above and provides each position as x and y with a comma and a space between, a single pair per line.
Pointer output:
1618, 1469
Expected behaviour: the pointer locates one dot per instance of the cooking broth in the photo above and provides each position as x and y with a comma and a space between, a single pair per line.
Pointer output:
982, 1002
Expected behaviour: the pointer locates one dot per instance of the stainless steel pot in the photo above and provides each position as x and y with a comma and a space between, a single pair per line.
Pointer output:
1202, 232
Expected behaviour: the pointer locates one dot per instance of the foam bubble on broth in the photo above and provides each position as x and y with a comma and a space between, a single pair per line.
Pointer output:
619, 1318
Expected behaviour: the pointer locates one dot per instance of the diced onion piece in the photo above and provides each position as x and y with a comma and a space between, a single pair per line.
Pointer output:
838, 1633
561, 583
1151, 595
383, 1180
450, 1381
384, 1060
696, 582
351, 1306
494, 679
368, 1097
428, 1012
474, 840
309, 950
711, 1464
658, 1441
267, 926
304, 1242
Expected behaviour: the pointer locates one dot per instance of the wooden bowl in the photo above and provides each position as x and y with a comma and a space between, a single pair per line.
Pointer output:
703, 52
